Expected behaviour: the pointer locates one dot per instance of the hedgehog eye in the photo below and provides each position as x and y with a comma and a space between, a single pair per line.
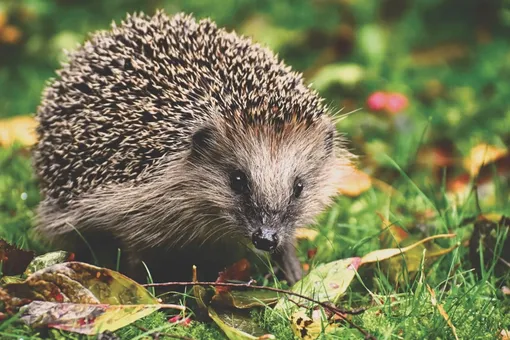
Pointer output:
238, 182
298, 188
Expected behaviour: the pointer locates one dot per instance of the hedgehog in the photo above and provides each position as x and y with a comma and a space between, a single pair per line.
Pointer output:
180, 143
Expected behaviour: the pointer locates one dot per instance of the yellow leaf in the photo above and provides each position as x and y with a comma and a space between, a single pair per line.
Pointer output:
238, 327
383, 254
442, 311
354, 183
326, 282
21, 129
308, 328
480, 155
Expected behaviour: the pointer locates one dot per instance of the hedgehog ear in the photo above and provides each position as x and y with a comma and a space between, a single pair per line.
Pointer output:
201, 140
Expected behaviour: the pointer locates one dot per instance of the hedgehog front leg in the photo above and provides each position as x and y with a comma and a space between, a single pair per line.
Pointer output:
289, 263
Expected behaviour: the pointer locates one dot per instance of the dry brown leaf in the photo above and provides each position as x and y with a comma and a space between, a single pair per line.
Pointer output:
21, 129
505, 334
354, 183
480, 155
238, 271
441, 310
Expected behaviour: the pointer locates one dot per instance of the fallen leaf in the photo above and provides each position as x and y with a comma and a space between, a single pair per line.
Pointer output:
354, 183
505, 334
246, 299
326, 282
238, 326
392, 234
47, 260
81, 283
239, 271
383, 254
87, 319
480, 155
81, 298
441, 310
21, 129
308, 328
398, 266
409, 263
485, 184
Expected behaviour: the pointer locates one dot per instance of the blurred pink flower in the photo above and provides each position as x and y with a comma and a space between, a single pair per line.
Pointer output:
396, 102
377, 101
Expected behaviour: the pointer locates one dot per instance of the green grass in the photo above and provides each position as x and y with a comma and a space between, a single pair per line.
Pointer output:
352, 227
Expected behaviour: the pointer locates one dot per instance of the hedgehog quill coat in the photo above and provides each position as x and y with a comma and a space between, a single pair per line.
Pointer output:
173, 139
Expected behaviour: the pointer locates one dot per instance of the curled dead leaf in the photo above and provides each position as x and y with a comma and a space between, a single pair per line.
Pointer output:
238, 271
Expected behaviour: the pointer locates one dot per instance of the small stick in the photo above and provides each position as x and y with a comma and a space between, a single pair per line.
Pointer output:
246, 285
338, 311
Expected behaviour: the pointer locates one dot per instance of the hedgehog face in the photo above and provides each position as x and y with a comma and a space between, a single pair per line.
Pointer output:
272, 180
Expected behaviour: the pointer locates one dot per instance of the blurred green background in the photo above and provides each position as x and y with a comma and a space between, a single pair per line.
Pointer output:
451, 59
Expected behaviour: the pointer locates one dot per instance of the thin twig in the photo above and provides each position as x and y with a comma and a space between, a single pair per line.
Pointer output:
246, 285
328, 306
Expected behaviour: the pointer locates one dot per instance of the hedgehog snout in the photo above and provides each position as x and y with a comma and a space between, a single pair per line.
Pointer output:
265, 239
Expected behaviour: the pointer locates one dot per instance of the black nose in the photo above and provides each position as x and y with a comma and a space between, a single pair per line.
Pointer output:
265, 239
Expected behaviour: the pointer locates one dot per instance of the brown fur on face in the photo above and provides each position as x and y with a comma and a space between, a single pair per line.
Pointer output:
273, 159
